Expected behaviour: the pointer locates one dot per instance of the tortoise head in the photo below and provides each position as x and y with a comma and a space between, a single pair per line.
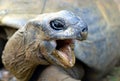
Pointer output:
58, 32
49, 38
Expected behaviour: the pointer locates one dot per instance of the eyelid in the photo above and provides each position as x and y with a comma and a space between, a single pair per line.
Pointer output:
57, 24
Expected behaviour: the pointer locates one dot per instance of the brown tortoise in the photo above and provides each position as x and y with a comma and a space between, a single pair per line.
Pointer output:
99, 53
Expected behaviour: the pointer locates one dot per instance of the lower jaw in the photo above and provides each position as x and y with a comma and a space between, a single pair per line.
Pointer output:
62, 61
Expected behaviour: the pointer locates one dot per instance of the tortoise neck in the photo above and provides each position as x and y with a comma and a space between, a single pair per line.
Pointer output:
21, 56
26, 74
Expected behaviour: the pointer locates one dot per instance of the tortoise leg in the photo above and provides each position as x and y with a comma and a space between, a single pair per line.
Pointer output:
55, 73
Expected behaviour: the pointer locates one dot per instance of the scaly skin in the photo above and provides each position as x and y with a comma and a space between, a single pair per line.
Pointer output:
49, 38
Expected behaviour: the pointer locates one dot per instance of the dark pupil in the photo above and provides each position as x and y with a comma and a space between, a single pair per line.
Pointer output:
57, 24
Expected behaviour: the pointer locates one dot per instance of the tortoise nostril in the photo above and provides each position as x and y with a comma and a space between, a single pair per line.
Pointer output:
85, 29
84, 33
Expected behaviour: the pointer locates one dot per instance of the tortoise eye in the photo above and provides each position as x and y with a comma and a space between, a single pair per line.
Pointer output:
57, 24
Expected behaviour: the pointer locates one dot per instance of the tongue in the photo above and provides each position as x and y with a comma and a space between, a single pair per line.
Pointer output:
66, 51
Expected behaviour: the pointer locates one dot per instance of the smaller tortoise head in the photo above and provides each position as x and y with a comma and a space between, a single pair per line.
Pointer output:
59, 30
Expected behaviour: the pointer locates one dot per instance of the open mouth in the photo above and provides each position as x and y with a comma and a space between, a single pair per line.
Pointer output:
63, 54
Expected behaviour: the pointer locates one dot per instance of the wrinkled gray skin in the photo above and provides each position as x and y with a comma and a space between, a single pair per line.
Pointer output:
36, 44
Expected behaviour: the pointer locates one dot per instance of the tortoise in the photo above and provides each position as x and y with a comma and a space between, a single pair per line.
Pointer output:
98, 54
